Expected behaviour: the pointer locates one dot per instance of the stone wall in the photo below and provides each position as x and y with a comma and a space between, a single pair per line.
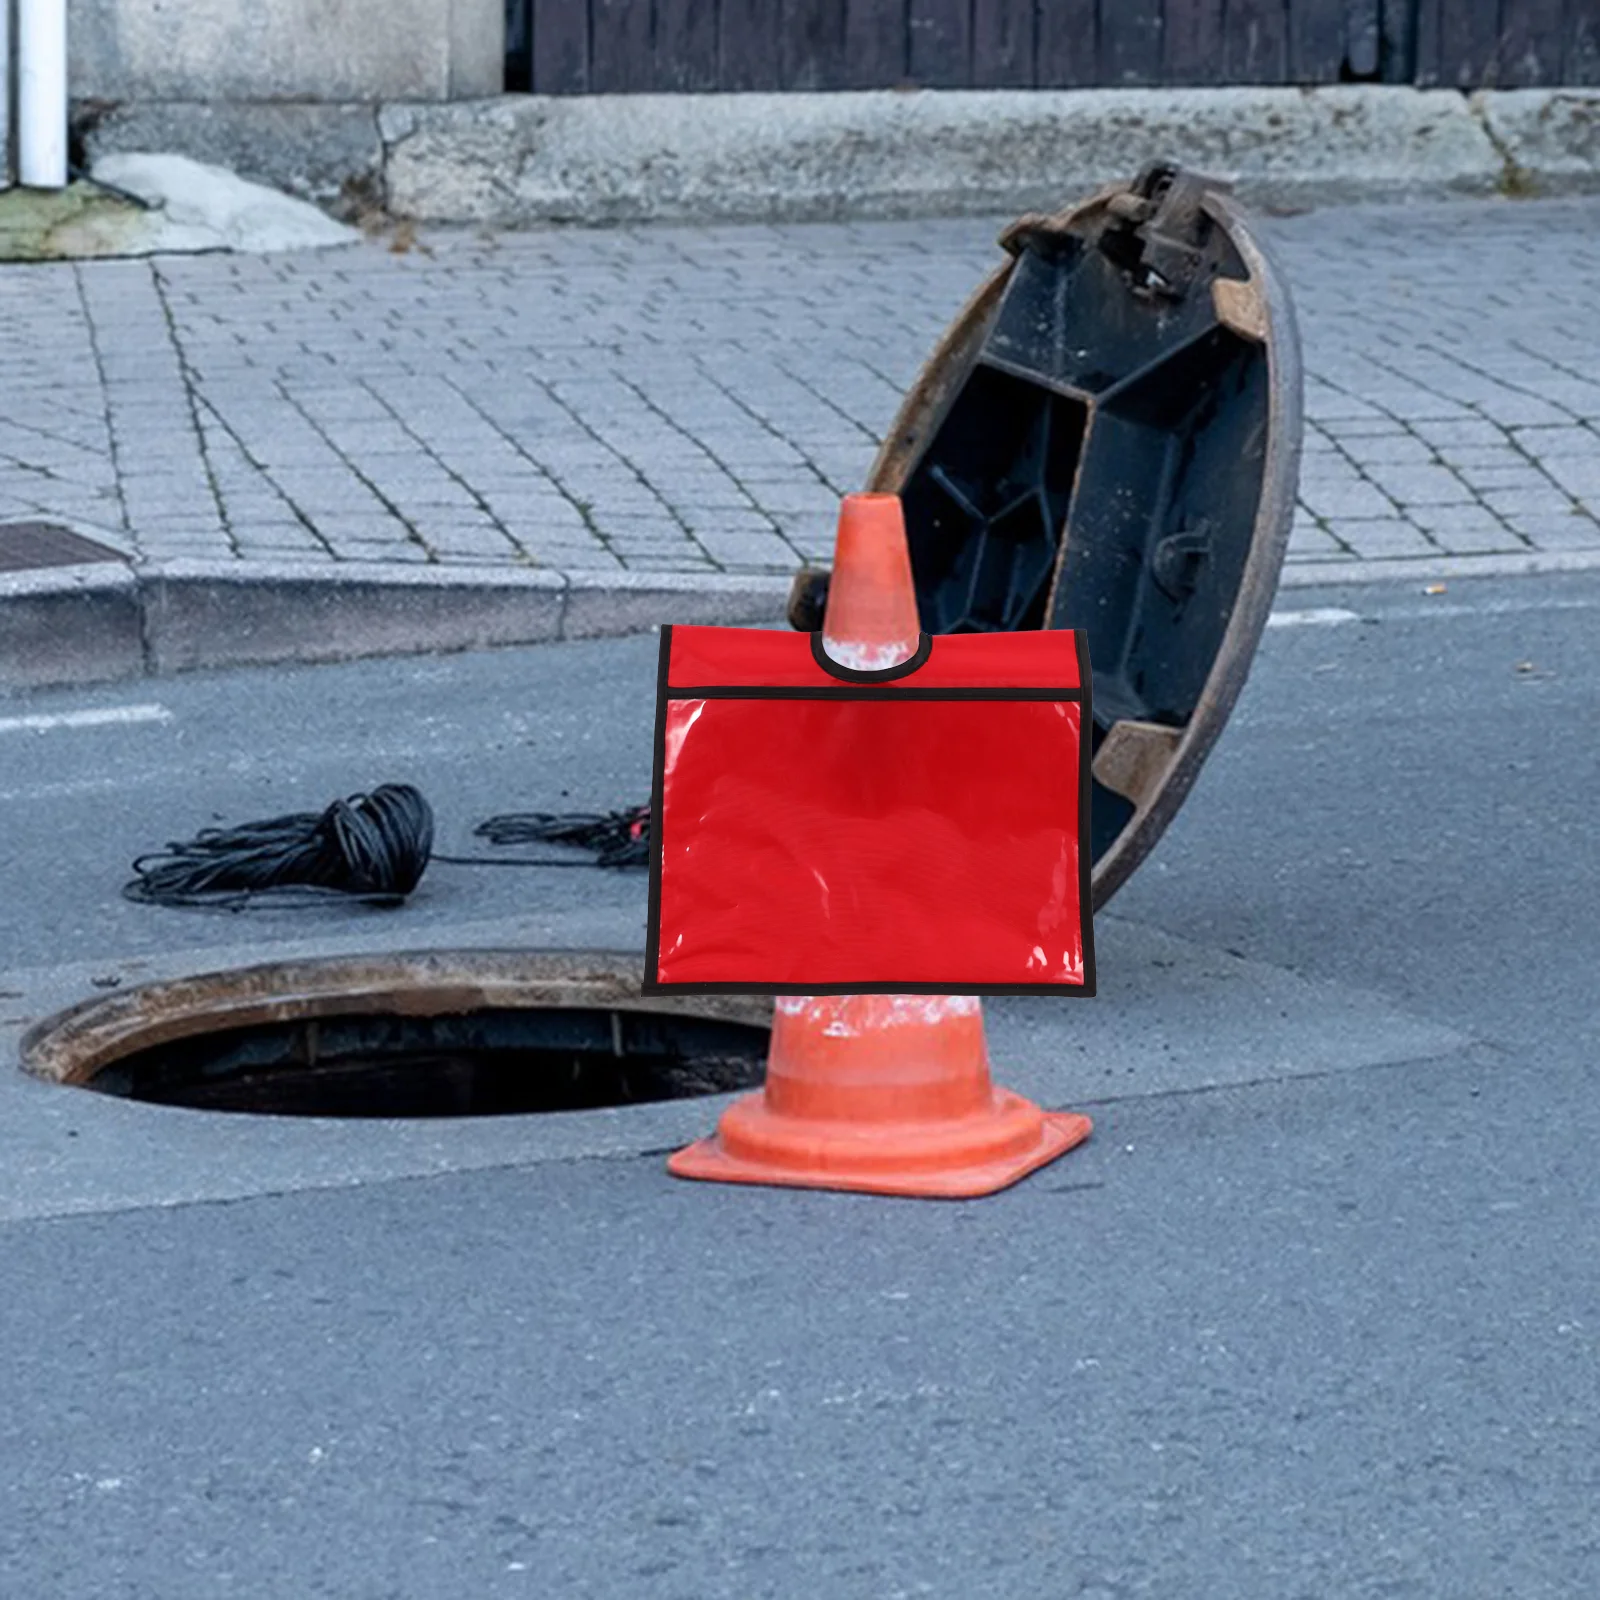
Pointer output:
345, 51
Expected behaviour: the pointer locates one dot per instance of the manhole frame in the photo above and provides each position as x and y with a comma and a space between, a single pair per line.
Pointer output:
71, 1047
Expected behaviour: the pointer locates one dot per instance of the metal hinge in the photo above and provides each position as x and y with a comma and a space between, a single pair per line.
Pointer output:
1157, 232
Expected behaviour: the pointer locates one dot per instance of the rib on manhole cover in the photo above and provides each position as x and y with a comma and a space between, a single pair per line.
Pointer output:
440, 1034
27, 546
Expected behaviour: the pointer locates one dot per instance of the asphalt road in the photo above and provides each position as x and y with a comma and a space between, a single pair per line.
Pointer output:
1308, 1317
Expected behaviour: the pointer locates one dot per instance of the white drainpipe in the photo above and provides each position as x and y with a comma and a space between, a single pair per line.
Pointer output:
5, 94
42, 93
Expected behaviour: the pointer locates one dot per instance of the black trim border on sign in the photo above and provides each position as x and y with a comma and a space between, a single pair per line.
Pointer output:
1082, 696
789, 691
1079, 991
658, 789
1080, 638
901, 669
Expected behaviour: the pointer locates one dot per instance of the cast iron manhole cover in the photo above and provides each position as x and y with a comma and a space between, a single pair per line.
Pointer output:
27, 546
431, 1034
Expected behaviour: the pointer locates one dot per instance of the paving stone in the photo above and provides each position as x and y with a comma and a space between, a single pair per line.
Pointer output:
1395, 446
456, 545
1578, 475
561, 557
703, 522
278, 534
643, 531
1524, 476
160, 550
410, 497
750, 555
678, 563
267, 551
376, 550
539, 513
1307, 543
1473, 458
1378, 538
1511, 409
1408, 484
1478, 541
706, 492
371, 526
1572, 531
1528, 501
1352, 497
1458, 431
328, 491
1577, 399
1441, 522
1558, 443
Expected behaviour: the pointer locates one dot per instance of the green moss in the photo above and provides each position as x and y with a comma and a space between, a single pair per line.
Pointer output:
62, 224
1516, 182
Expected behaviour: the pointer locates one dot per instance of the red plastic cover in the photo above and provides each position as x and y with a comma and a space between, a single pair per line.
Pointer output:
923, 829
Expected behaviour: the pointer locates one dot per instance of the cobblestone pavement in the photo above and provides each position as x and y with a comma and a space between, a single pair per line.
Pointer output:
697, 399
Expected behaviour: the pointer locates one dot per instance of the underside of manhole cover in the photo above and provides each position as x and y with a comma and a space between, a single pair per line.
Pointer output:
429, 1034
29, 546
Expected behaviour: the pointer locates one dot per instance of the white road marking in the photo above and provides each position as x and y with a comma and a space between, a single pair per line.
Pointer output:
1488, 608
106, 716
1317, 617
61, 791
1431, 610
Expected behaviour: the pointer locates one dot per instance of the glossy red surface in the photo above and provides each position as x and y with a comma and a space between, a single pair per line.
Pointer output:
838, 841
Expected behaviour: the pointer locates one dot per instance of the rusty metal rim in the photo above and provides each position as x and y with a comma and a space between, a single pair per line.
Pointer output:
70, 1047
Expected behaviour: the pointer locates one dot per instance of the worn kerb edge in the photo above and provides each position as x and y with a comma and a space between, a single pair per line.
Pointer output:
94, 641
186, 615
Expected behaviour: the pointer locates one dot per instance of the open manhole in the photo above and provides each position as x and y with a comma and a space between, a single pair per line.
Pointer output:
435, 1034
29, 546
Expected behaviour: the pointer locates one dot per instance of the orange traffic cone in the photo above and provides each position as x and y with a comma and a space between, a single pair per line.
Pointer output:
886, 1093
871, 618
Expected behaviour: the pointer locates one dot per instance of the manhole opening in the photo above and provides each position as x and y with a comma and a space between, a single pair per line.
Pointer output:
485, 1063
29, 546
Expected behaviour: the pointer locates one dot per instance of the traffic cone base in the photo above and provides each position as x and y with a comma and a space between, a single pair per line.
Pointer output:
949, 1158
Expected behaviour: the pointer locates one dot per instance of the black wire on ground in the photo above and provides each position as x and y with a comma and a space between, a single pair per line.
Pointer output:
617, 838
371, 848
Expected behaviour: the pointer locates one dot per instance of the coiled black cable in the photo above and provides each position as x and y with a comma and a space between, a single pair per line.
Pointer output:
369, 847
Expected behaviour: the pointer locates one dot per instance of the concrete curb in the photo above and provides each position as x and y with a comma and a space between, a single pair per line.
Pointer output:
1548, 138
96, 624
882, 153
521, 159
70, 625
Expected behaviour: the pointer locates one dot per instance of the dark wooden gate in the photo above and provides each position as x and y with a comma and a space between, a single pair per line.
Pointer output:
636, 46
